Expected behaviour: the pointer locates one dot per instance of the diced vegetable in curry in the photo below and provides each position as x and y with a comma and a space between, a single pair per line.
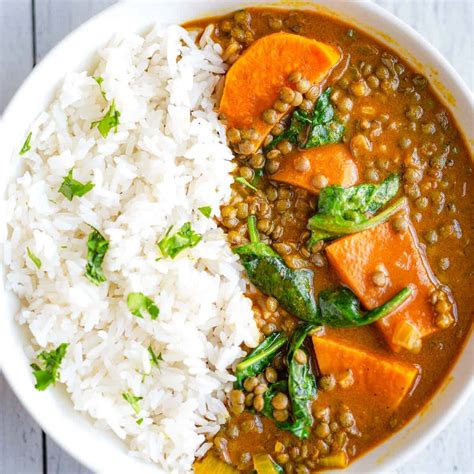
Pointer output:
350, 215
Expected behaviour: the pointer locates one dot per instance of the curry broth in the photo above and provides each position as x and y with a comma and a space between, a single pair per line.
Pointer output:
448, 213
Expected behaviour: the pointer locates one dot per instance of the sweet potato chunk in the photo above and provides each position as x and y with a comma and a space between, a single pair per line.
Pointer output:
356, 257
332, 161
381, 382
254, 81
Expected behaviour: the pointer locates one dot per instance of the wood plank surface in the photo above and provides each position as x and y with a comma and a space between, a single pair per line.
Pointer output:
29, 29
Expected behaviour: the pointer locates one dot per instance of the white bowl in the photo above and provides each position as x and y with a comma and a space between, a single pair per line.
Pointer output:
102, 451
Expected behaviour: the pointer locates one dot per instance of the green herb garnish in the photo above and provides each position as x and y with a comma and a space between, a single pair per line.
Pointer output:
183, 239
155, 359
205, 211
70, 187
244, 182
260, 358
133, 400
138, 302
109, 121
99, 81
26, 146
33, 258
139, 421
49, 373
97, 247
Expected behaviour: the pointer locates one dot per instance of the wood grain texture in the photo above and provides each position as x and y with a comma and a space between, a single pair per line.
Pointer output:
21, 450
446, 24
16, 34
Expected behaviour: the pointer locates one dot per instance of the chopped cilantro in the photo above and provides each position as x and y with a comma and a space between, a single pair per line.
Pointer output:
70, 187
174, 244
26, 146
49, 373
138, 302
206, 211
244, 182
33, 258
133, 400
97, 246
110, 120
154, 359
99, 81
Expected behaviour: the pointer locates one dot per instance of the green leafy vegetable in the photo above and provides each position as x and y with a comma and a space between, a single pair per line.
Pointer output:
347, 210
133, 400
267, 271
183, 239
299, 121
97, 247
206, 211
154, 359
260, 358
340, 308
49, 373
33, 258
324, 128
99, 81
273, 389
244, 182
109, 120
26, 146
70, 187
138, 302
301, 385
257, 177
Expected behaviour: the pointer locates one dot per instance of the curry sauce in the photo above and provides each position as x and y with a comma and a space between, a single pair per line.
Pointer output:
394, 123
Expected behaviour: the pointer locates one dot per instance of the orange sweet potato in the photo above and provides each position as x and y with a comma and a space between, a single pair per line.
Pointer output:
332, 161
380, 381
356, 257
254, 81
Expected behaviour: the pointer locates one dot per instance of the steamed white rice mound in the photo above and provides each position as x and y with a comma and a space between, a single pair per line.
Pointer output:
167, 159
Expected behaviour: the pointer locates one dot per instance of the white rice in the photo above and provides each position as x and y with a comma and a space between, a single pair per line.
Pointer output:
167, 159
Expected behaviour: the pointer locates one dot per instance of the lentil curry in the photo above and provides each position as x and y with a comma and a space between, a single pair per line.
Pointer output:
351, 216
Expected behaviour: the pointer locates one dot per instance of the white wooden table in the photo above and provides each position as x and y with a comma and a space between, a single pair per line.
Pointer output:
29, 29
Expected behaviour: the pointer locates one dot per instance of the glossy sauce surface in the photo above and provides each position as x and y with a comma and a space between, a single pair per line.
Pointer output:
405, 123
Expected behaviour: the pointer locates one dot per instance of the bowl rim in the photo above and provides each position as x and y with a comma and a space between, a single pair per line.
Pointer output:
385, 16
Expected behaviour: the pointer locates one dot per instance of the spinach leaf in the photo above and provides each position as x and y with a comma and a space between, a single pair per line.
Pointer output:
71, 187
354, 202
301, 386
324, 129
97, 247
183, 239
26, 147
138, 302
347, 210
109, 120
36, 260
268, 272
260, 358
273, 389
340, 308
49, 373
298, 122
